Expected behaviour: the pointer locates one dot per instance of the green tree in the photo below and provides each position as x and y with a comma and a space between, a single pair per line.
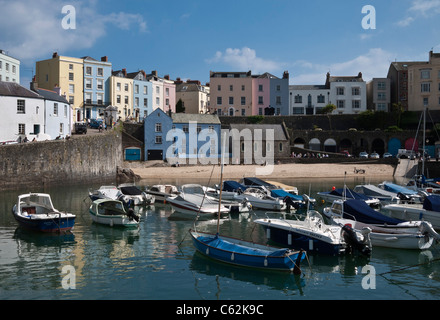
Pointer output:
327, 109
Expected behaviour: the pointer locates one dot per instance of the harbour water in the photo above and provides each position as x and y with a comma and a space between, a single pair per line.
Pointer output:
159, 262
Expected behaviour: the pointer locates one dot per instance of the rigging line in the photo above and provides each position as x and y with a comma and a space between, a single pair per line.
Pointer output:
203, 199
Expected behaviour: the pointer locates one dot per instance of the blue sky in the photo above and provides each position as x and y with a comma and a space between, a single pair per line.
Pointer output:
189, 38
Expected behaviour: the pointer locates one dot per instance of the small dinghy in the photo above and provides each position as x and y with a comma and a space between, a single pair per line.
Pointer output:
112, 213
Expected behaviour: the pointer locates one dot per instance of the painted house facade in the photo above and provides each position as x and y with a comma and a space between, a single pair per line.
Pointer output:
121, 94
308, 99
193, 95
347, 93
163, 92
142, 95
96, 87
181, 137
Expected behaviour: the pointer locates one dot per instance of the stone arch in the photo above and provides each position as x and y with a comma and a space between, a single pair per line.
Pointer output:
315, 144
346, 144
330, 145
378, 145
299, 143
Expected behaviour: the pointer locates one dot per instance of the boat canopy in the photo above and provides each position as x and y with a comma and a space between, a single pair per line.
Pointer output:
230, 185
362, 212
250, 181
280, 193
131, 191
348, 193
392, 187
432, 203
219, 243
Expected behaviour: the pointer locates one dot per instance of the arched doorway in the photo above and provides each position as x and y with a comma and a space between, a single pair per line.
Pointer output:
378, 145
315, 144
345, 145
231, 111
299, 143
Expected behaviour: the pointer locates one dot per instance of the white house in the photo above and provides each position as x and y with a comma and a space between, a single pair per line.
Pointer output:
28, 115
308, 99
347, 93
9, 68
57, 114
22, 113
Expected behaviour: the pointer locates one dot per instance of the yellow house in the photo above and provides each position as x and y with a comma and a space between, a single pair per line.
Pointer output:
66, 73
121, 94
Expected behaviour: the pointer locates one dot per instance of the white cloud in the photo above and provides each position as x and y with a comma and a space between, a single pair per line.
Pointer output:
32, 29
245, 59
420, 8
373, 64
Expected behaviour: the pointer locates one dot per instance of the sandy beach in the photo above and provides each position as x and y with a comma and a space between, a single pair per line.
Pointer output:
279, 171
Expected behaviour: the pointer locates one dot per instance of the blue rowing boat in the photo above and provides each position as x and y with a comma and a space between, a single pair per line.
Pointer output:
247, 254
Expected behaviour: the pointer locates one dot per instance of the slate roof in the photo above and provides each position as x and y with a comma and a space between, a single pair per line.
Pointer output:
15, 90
51, 95
200, 118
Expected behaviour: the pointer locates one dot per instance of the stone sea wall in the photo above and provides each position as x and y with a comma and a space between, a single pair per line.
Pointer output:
90, 158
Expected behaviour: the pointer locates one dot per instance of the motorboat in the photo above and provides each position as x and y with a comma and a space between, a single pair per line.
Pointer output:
162, 191
274, 191
403, 235
247, 254
360, 211
314, 235
35, 211
428, 211
288, 188
370, 190
112, 213
257, 197
193, 199
346, 193
135, 196
421, 183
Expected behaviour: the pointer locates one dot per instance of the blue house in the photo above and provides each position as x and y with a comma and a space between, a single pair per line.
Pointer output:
142, 95
182, 138
96, 87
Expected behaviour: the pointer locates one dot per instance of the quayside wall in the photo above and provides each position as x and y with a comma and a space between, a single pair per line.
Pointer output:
90, 158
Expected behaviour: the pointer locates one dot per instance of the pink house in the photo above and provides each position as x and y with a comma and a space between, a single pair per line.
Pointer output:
260, 94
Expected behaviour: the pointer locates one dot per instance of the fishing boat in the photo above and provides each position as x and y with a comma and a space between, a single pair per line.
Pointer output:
247, 254
314, 235
135, 196
244, 253
112, 213
35, 211
162, 191
403, 235
346, 193
428, 211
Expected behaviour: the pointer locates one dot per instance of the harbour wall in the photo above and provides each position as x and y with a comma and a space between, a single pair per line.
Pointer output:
90, 158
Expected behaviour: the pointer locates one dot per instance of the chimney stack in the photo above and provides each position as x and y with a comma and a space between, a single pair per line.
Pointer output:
104, 59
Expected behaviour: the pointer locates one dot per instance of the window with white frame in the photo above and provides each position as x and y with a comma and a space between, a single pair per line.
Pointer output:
71, 76
100, 72
340, 91
99, 84
355, 91
21, 106
356, 104
61, 128
71, 88
158, 127
298, 99
425, 74
158, 140
55, 109
88, 71
425, 87
340, 104
21, 128
118, 86
88, 83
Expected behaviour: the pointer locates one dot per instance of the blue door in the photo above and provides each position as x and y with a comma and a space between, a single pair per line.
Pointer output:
133, 154
393, 146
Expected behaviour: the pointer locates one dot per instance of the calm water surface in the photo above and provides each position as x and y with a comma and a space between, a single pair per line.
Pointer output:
159, 262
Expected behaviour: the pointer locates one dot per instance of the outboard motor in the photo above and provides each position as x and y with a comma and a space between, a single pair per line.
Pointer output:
403, 197
290, 203
131, 215
353, 242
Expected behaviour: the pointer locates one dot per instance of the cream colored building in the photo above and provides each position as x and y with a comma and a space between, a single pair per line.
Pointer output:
66, 73
194, 96
121, 94
424, 84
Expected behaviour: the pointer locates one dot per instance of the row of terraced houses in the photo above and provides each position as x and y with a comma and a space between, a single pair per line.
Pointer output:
91, 86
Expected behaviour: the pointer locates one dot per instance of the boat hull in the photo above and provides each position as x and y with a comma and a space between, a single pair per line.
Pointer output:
245, 254
414, 212
113, 221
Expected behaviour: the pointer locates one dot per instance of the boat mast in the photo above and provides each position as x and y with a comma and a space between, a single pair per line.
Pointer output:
424, 133
221, 181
